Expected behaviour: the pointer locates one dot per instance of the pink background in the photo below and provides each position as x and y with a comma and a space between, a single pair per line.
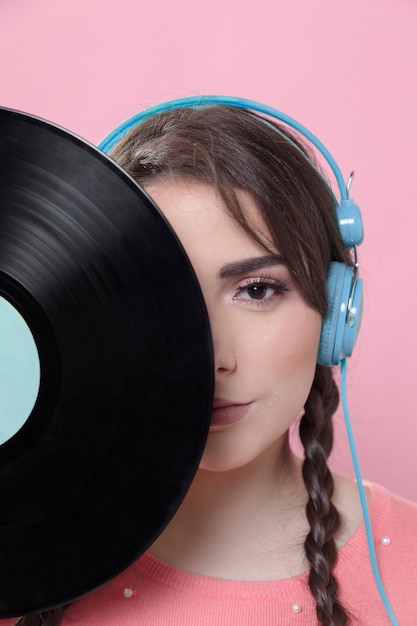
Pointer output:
347, 70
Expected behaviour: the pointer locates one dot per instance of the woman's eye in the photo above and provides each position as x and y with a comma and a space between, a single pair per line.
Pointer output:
260, 290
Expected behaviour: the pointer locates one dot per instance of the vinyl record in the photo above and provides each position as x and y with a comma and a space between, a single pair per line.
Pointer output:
106, 369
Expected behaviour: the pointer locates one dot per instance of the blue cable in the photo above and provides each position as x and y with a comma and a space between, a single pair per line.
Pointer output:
364, 505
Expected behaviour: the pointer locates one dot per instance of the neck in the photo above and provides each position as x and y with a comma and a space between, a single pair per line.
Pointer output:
231, 524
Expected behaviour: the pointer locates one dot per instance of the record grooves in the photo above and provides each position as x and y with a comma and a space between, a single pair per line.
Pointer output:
98, 467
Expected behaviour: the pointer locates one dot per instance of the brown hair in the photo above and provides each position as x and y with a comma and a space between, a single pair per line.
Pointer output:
46, 618
233, 149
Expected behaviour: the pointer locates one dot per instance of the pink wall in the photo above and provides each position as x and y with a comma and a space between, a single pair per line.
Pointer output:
346, 70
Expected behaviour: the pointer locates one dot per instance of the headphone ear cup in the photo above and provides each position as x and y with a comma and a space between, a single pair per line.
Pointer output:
340, 327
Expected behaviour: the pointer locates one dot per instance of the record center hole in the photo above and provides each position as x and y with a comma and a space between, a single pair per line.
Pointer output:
20, 371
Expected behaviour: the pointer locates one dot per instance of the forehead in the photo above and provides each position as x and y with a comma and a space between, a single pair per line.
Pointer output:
198, 215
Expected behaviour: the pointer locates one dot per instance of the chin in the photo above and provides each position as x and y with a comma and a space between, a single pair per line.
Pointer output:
216, 461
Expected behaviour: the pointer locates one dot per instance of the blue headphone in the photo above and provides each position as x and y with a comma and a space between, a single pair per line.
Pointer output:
341, 324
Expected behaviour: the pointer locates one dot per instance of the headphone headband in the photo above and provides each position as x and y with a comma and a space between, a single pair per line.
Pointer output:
348, 214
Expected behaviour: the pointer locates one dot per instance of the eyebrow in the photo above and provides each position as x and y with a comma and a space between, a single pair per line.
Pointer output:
247, 265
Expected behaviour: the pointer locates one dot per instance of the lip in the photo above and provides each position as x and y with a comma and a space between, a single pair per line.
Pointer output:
227, 412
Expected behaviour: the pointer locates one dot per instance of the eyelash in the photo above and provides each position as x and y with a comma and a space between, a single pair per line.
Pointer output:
278, 286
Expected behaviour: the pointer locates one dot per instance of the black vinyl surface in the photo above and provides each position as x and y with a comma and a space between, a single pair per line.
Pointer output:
124, 405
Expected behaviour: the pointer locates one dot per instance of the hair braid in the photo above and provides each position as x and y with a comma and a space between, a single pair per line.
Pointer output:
46, 618
316, 433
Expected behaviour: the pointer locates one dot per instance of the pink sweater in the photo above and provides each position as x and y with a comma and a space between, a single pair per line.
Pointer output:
150, 593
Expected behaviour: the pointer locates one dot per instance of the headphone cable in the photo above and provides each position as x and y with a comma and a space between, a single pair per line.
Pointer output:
364, 505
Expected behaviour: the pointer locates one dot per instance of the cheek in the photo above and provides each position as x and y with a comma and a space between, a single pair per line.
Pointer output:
287, 364
301, 346
291, 344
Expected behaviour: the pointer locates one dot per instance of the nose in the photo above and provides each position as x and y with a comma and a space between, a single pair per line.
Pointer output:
224, 355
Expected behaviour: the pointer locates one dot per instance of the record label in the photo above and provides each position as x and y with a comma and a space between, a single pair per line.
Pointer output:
19, 371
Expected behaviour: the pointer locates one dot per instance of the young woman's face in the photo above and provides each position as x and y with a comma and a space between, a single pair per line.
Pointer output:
265, 336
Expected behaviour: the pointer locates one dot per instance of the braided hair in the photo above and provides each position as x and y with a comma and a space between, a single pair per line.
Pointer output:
316, 433
46, 618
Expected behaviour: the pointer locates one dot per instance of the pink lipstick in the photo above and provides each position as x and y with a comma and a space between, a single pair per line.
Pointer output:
226, 412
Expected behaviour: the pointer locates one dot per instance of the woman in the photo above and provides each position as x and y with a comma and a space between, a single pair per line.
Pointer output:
262, 537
